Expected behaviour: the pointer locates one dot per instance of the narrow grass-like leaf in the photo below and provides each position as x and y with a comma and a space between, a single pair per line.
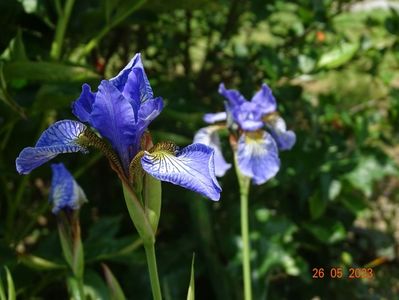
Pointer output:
10, 286
191, 287
113, 284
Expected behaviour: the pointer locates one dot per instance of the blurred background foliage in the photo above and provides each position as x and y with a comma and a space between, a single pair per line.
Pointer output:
333, 66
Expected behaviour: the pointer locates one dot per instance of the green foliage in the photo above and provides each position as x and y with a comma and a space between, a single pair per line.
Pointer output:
332, 66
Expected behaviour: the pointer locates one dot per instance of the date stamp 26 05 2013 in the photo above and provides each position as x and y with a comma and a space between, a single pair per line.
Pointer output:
338, 273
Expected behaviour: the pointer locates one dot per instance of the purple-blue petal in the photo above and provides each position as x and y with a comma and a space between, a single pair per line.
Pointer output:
65, 193
216, 117
83, 106
133, 82
148, 111
61, 137
264, 100
234, 98
113, 117
285, 138
209, 136
248, 116
192, 168
257, 156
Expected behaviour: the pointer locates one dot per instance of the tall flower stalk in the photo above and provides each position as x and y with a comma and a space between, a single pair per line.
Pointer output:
256, 134
67, 197
120, 112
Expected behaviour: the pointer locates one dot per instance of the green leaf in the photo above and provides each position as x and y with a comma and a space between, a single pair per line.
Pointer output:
191, 287
368, 171
113, 284
39, 263
4, 95
47, 72
10, 285
2, 291
17, 48
338, 56
317, 205
327, 230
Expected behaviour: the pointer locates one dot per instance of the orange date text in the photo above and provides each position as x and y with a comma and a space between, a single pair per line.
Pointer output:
339, 272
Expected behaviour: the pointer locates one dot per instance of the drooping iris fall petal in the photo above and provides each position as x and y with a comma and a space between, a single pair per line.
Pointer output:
257, 156
285, 139
61, 137
191, 167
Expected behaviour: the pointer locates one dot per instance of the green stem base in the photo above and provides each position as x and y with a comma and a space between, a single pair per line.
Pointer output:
153, 270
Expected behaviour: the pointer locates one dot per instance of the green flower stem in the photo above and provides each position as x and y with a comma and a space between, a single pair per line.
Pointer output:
147, 234
62, 24
72, 248
244, 182
75, 287
152, 268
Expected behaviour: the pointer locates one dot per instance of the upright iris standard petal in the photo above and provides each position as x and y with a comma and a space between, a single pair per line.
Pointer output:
192, 168
257, 156
132, 81
234, 98
285, 138
83, 106
216, 117
61, 137
264, 100
148, 111
209, 136
65, 193
113, 117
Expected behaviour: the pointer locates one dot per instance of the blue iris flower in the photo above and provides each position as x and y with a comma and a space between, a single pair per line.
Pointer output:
259, 133
65, 193
121, 110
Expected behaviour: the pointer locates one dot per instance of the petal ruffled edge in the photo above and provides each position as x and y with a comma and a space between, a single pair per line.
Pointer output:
192, 168
257, 156
65, 193
209, 137
61, 137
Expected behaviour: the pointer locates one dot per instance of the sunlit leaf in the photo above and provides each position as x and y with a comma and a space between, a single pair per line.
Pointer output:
338, 56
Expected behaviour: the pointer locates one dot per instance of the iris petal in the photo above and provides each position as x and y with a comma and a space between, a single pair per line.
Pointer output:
209, 136
285, 138
65, 193
58, 138
234, 98
216, 117
265, 100
257, 156
149, 110
113, 117
248, 116
133, 82
192, 168
83, 106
